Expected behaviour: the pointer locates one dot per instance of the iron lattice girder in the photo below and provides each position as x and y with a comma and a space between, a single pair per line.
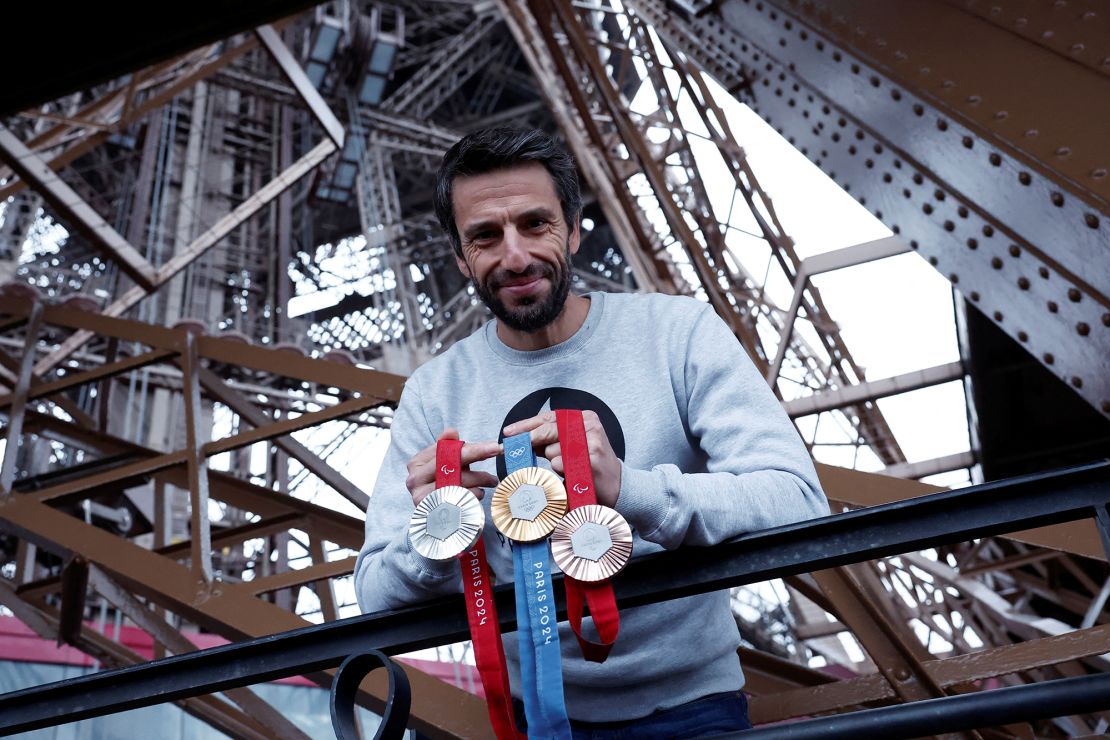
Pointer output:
986, 151
583, 70
792, 549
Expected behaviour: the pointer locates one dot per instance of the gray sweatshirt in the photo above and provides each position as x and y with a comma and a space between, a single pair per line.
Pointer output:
708, 454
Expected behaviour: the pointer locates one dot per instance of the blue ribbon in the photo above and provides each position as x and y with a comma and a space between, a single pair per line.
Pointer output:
540, 667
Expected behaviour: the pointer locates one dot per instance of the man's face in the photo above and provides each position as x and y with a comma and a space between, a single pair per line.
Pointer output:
516, 244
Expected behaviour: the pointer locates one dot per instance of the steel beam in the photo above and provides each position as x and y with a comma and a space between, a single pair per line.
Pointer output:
872, 390
984, 151
14, 436
859, 535
69, 206
228, 609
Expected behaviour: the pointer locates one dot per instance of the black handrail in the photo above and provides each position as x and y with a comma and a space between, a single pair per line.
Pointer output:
927, 521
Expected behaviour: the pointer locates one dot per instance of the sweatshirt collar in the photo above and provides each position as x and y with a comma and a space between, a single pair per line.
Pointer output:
547, 354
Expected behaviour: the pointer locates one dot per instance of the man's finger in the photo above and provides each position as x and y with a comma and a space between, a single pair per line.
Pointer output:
527, 425
545, 435
478, 479
553, 451
473, 452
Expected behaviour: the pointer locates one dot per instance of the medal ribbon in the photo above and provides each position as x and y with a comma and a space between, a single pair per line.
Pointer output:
481, 613
598, 597
541, 669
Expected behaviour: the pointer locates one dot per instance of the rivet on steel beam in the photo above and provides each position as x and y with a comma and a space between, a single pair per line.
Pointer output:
972, 243
1058, 200
1022, 336
1043, 272
1077, 381
1083, 328
1023, 283
1091, 220
1074, 295
1024, 178
1015, 250
1052, 307
998, 316
975, 296
996, 263
1048, 358
988, 230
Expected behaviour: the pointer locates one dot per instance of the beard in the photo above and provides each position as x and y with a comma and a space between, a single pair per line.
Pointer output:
532, 313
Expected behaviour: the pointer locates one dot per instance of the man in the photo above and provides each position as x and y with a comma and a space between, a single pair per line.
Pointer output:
686, 439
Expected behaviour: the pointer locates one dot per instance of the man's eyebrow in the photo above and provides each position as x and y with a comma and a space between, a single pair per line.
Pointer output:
537, 212
478, 227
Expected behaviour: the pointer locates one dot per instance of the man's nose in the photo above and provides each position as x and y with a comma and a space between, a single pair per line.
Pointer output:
515, 256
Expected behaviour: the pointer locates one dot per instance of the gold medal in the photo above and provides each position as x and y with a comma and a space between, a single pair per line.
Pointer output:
446, 523
592, 543
528, 504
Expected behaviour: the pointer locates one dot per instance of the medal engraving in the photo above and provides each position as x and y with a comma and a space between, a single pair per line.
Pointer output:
446, 523
444, 520
591, 541
527, 502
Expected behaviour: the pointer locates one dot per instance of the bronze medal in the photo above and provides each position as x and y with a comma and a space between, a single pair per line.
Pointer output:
592, 543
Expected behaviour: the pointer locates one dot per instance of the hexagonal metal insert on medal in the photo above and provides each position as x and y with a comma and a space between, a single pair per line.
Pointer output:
527, 502
591, 541
444, 520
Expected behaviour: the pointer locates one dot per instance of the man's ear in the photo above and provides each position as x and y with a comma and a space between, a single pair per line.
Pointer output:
463, 267
575, 239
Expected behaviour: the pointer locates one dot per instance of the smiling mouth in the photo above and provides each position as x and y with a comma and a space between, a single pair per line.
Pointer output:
522, 288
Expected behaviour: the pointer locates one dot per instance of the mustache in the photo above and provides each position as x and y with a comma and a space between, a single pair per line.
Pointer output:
500, 278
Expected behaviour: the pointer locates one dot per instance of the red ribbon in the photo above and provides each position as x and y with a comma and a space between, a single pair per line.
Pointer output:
481, 613
598, 597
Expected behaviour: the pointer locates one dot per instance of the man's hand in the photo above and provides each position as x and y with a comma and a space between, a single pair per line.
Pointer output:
605, 463
422, 467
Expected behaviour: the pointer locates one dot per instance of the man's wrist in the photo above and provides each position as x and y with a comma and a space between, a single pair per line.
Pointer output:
642, 500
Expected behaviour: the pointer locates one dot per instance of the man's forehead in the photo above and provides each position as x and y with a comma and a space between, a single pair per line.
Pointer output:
524, 185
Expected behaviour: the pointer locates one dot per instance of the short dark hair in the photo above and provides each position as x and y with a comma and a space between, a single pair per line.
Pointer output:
499, 148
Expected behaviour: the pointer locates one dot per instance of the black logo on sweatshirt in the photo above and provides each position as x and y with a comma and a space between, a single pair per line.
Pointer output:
564, 398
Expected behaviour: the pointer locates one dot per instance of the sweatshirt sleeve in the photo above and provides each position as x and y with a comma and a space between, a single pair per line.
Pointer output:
388, 573
760, 474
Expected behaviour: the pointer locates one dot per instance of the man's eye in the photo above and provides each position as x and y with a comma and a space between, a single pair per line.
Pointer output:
537, 223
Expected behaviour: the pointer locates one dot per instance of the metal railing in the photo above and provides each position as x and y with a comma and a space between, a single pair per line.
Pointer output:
904, 526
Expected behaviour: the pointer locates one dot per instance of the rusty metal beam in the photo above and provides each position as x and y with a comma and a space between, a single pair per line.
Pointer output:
198, 247
321, 571
69, 206
287, 426
858, 488
219, 390
983, 150
40, 390
44, 621
226, 608
170, 638
14, 436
